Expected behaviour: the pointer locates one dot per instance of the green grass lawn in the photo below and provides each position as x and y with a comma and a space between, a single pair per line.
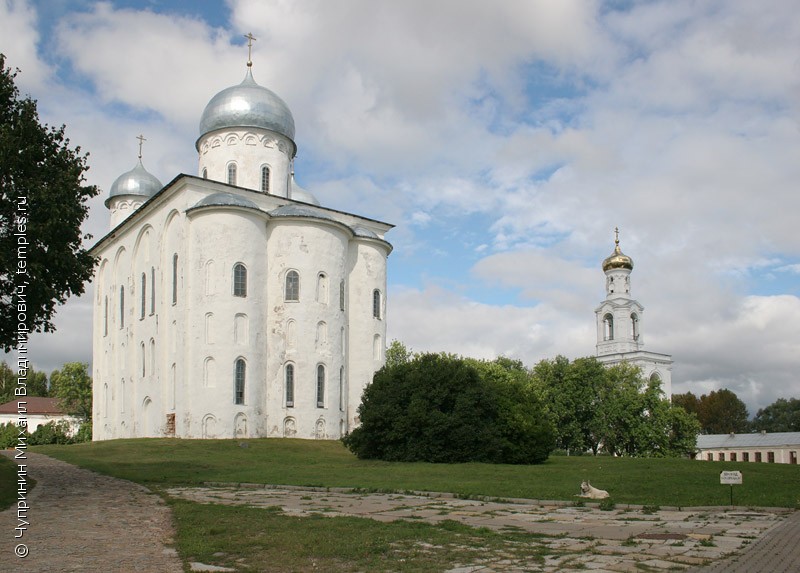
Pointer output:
663, 482
8, 482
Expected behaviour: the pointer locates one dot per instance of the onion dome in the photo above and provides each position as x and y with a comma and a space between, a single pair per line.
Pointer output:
297, 193
617, 259
247, 105
138, 182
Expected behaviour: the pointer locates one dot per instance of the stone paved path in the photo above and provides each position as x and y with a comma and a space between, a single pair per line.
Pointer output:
624, 539
83, 521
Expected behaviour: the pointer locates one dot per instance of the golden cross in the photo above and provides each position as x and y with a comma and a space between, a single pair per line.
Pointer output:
616, 236
250, 39
141, 139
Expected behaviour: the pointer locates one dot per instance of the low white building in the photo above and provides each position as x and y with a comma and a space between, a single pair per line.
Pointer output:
776, 447
37, 411
620, 324
231, 303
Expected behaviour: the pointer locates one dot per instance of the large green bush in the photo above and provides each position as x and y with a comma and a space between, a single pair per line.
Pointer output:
8, 435
439, 408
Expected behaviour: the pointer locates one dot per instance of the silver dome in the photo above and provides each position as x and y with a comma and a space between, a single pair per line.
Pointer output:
297, 193
225, 200
247, 105
138, 181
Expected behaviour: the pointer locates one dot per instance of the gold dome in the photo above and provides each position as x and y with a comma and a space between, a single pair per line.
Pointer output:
617, 259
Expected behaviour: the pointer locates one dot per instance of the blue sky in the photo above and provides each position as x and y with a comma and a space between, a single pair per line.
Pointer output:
505, 141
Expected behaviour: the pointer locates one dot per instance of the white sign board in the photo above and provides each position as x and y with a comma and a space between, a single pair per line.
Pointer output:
730, 478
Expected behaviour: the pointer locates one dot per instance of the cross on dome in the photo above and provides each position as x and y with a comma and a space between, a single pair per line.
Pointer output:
141, 139
250, 39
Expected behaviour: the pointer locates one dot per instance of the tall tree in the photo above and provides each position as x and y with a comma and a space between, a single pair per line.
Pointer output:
72, 385
43, 201
781, 416
722, 412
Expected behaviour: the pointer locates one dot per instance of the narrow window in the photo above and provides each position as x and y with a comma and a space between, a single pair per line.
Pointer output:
205, 173
232, 174
292, 286
320, 386
152, 291
290, 385
144, 296
376, 303
141, 355
152, 356
121, 307
175, 278
264, 179
745, 456
239, 280
635, 326
721, 456
239, 376
341, 388
608, 327
105, 316
758, 456
771, 457
710, 457
322, 288
341, 295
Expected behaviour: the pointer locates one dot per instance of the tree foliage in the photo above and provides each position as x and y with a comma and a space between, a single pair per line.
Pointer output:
612, 409
43, 202
781, 416
441, 408
72, 385
36, 383
719, 412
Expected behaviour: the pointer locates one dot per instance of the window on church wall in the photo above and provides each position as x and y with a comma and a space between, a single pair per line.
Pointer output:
341, 388
289, 385
240, 372
152, 291
105, 316
205, 173
143, 297
608, 327
292, 288
320, 386
122, 307
322, 335
231, 174
175, 278
377, 347
376, 304
240, 329
322, 288
142, 358
635, 326
265, 179
152, 357
122, 396
341, 295
239, 280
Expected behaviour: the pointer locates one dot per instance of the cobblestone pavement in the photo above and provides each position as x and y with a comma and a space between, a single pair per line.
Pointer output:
584, 538
83, 521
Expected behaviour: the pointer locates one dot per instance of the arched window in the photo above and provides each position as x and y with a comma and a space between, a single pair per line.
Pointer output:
635, 326
341, 294
341, 388
238, 381
141, 356
105, 316
608, 327
322, 288
152, 356
122, 307
265, 179
152, 290
239, 280
205, 173
231, 174
175, 278
292, 291
144, 296
289, 374
376, 303
320, 386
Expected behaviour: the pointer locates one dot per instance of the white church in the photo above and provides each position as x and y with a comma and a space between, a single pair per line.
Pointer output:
619, 324
231, 304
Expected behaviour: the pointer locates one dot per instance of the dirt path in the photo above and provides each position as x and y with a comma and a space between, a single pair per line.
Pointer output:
83, 521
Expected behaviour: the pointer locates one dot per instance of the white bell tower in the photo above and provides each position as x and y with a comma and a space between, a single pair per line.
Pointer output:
619, 323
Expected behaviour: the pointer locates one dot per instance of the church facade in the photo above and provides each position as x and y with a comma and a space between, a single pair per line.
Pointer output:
619, 324
231, 304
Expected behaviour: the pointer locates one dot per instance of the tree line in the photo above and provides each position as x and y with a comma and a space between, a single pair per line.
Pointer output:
722, 412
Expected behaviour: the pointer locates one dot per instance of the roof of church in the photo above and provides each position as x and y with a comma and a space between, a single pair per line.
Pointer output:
223, 199
247, 105
33, 405
138, 182
759, 440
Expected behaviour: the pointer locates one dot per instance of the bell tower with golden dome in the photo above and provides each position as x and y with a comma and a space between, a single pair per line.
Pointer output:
619, 323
